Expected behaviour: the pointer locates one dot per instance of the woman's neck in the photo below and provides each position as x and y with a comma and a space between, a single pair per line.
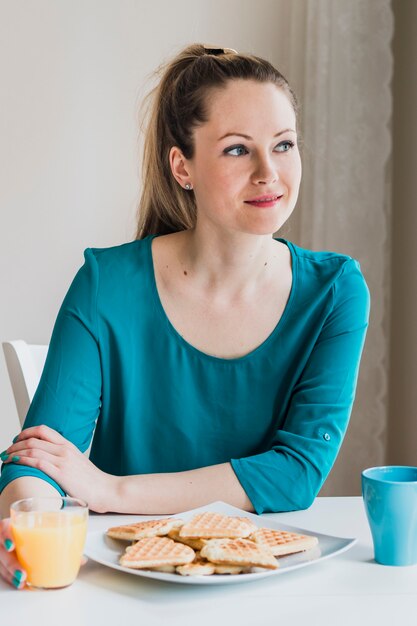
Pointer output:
228, 265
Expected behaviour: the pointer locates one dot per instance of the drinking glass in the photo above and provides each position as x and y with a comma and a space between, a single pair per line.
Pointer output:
49, 536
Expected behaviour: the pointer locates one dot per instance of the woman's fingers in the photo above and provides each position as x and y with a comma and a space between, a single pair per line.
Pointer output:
37, 443
10, 568
18, 580
42, 455
32, 443
6, 539
42, 460
41, 432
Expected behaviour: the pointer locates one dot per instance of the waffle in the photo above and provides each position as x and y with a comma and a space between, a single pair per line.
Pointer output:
281, 542
194, 542
166, 569
198, 567
140, 530
202, 567
230, 569
249, 522
238, 552
155, 552
214, 526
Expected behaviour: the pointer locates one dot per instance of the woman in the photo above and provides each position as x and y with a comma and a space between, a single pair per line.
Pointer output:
217, 362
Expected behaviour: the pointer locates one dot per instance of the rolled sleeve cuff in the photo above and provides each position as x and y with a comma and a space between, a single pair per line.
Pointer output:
275, 484
11, 471
248, 487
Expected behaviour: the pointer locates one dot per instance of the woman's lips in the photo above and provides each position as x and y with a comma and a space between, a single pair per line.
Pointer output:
265, 202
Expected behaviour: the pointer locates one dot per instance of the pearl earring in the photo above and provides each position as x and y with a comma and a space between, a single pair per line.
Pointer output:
188, 186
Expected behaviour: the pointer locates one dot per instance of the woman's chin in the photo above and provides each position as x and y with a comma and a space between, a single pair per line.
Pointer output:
268, 227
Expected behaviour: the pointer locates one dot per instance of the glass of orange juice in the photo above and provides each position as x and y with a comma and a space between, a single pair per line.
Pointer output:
49, 536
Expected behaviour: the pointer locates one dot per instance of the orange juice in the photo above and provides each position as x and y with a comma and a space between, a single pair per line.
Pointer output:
49, 545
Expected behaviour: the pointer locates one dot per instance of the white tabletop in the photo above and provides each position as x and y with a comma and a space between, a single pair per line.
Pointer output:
349, 589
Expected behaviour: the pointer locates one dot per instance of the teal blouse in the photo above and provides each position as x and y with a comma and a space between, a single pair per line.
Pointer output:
278, 414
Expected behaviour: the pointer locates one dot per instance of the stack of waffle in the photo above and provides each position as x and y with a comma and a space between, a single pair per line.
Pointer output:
209, 543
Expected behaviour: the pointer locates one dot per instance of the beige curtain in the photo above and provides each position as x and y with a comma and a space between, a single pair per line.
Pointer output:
402, 427
342, 70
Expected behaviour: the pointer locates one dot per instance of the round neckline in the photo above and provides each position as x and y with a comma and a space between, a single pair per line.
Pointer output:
173, 331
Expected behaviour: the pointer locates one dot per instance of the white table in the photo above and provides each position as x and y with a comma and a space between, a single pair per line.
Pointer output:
349, 589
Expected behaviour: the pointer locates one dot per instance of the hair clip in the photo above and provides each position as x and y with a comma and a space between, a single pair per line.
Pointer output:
218, 51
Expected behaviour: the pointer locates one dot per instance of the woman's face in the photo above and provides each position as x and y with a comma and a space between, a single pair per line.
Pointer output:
246, 151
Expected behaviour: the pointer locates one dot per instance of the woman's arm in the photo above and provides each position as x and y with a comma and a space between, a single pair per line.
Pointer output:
68, 396
289, 475
46, 450
179, 491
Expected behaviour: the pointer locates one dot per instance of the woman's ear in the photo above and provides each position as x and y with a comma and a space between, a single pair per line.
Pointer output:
180, 167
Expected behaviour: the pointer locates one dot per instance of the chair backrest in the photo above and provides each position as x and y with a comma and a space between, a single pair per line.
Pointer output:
25, 364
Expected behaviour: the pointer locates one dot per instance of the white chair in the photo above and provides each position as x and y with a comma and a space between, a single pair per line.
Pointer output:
25, 364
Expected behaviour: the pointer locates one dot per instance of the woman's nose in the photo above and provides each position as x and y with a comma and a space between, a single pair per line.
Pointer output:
265, 172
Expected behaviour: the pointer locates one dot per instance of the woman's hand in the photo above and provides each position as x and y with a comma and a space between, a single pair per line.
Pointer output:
45, 449
10, 568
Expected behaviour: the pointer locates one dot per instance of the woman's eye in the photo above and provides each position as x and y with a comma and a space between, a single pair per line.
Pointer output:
236, 150
285, 145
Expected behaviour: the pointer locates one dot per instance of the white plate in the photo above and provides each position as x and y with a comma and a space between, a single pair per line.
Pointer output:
107, 551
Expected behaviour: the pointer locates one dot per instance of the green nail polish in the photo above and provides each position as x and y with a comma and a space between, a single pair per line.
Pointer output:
16, 583
15, 459
18, 574
4, 456
8, 544
15, 439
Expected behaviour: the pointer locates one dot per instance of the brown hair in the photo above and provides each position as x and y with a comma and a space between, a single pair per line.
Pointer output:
175, 107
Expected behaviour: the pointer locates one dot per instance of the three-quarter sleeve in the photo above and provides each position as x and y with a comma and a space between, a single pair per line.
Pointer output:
290, 473
68, 397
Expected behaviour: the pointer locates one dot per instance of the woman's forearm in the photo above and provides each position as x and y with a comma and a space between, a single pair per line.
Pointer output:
167, 493
25, 487
159, 494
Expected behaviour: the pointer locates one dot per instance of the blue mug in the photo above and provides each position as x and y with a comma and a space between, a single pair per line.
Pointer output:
390, 499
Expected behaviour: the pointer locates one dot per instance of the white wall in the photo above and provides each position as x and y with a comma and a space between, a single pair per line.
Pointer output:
71, 77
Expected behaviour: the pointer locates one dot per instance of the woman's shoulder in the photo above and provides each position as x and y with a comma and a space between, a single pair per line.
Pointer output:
323, 263
115, 268
120, 260
318, 256
319, 270
131, 251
